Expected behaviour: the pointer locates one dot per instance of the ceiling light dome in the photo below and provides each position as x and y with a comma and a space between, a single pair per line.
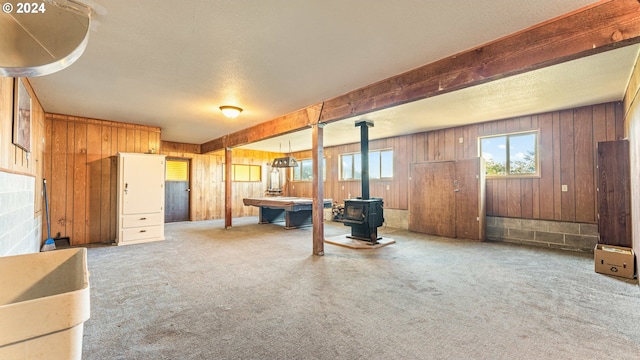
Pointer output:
231, 112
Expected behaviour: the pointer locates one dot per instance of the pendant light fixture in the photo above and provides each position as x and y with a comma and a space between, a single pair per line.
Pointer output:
285, 162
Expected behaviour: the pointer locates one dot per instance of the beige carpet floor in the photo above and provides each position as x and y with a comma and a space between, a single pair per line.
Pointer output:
257, 292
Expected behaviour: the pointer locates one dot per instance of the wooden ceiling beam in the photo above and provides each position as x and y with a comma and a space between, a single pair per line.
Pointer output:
605, 26
279, 126
600, 28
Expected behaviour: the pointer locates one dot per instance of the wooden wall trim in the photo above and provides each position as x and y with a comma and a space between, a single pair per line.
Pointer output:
170, 146
598, 28
70, 118
16, 172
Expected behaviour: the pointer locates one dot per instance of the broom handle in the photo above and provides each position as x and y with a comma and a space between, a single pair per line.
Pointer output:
46, 206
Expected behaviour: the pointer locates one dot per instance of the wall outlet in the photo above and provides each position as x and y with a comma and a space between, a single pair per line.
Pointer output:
565, 188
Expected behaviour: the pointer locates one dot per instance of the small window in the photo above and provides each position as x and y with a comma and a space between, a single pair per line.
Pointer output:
510, 154
386, 164
380, 165
177, 170
242, 172
296, 173
346, 162
304, 170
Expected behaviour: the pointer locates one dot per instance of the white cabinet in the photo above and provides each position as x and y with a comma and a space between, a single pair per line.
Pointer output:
140, 198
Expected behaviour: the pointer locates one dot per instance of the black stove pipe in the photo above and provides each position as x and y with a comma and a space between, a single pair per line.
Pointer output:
364, 156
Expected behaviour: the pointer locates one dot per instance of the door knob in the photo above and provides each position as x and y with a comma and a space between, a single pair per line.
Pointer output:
189, 190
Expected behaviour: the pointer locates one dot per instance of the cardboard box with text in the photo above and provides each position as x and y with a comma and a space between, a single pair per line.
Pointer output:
614, 260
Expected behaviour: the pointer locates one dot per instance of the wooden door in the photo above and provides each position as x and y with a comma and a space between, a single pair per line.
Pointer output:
446, 198
469, 200
614, 193
177, 190
432, 199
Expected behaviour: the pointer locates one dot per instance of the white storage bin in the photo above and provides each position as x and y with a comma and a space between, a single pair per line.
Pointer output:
44, 302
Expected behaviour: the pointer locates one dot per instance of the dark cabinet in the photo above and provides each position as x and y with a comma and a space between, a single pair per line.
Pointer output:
614, 193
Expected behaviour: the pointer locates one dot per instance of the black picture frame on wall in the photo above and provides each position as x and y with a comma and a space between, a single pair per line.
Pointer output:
21, 115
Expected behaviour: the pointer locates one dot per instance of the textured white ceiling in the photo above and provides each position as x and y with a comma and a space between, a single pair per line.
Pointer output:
591, 80
172, 64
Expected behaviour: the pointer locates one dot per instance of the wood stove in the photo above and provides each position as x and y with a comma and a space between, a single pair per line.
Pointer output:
364, 214
364, 217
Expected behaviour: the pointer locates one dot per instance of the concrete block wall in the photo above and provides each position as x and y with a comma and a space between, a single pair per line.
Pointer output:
556, 234
20, 230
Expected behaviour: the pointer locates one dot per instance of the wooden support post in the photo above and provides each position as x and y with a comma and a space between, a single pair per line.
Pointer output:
227, 188
318, 190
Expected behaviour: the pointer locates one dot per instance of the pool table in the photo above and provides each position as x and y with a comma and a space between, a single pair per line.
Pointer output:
294, 211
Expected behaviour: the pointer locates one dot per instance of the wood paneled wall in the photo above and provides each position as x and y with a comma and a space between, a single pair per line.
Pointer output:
567, 154
79, 164
12, 158
567, 151
632, 125
81, 172
207, 185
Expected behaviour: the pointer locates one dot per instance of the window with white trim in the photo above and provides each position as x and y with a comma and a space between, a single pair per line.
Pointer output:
244, 173
513, 154
304, 170
380, 165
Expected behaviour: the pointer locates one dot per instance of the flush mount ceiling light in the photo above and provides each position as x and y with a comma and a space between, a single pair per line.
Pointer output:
231, 112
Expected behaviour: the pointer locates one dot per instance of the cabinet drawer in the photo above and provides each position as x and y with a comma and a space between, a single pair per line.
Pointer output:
142, 220
144, 232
